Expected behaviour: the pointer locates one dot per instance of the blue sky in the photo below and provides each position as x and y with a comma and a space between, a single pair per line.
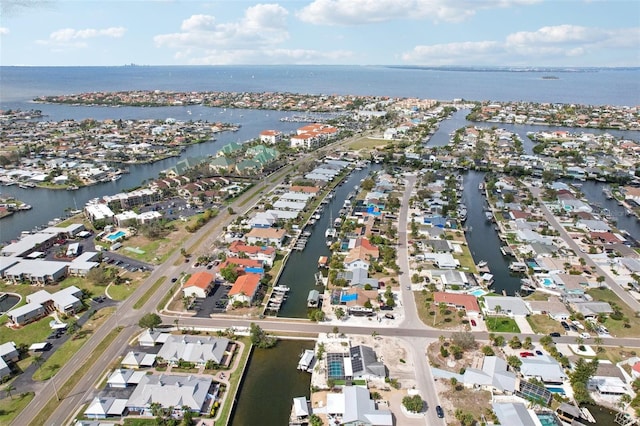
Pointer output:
569, 33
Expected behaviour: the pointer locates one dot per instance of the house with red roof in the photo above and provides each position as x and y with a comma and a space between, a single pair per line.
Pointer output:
198, 285
635, 370
244, 289
265, 254
467, 302
270, 136
243, 265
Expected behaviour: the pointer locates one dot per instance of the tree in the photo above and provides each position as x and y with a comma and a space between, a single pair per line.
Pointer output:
229, 273
498, 341
454, 382
72, 327
413, 403
314, 420
336, 330
261, 339
515, 343
340, 313
488, 350
150, 321
527, 343
514, 361
9, 389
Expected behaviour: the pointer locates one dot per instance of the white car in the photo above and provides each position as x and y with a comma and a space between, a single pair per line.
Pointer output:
585, 335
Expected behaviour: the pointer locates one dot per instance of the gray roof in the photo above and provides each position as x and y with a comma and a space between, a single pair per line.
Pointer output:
195, 349
25, 309
358, 277
494, 373
359, 408
36, 268
542, 366
512, 305
171, 391
593, 308
439, 245
365, 362
513, 413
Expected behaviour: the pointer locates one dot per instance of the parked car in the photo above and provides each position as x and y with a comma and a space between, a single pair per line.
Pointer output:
526, 354
585, 335
564, 325
439, 411
174, 279
555, 334
538, 352
473, 322
389, 316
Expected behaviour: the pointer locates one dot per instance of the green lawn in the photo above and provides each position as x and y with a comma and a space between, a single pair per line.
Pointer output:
543, 324
502, 325
51, 366
447, 321
368, 143
466, 260
30, 333
122, 291
234, 383
617, 328
150, 249
140, 303
537, 295
11, 407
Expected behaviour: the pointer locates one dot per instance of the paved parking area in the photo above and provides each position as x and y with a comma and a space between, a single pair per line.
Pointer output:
216, 303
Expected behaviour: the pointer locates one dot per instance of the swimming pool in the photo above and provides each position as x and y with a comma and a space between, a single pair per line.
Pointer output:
115, 236
548, 419
548, 282
478, 293
556, 390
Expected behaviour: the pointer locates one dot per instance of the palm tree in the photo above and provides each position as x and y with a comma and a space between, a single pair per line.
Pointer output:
38, 360
9, 389
579, 340
498, 309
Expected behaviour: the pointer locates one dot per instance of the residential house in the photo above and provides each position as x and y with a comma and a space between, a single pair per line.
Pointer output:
270, 136
513, 413
170, 391
467, 302
122, 378
8, 355
356, 408
493, 376
266, 236
103, 407
198, 285
543, 368
245, 288
150, 338
136, 360
507, 305
26, 313
265, 254
196, 349
592, 309
552, 307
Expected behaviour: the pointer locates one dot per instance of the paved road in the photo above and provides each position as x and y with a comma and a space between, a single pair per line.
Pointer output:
127, 317
622, 294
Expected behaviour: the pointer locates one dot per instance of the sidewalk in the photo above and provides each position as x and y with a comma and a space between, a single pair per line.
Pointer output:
523, 325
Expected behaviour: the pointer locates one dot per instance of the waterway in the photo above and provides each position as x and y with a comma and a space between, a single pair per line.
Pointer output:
483, 239
49, 204
458, 119
301, 267
271, 382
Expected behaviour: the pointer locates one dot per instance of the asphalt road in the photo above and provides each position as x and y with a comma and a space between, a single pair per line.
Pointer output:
619, 291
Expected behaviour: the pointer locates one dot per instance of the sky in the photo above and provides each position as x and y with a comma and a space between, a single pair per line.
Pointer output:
514, 33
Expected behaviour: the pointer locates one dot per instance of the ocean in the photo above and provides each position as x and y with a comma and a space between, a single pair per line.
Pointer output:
589, 86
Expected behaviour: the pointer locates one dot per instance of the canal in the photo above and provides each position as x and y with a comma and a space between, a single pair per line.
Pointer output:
482, 237
299, 271
48, 204
271, 381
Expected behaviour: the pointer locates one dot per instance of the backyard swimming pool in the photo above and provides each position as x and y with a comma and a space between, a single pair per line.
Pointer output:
478, 293
556, 390
548, 419
548, 282
115, 236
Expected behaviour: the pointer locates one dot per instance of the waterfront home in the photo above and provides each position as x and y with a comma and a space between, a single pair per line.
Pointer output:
264, 254
28, 244
357, 276
506, 305
181, 392
354, 406
270, 136
450, 278
103, 407
361, 248
243, 265
513, 413
244, 289
195, 349
552, 307
99, 212
442, 260
543, 368
266, 236
467, 302
494, 375
198, 285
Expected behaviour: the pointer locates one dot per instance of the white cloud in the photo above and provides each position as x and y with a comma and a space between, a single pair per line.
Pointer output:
4, 31
69, 37
262, 25
357, 12
545, 44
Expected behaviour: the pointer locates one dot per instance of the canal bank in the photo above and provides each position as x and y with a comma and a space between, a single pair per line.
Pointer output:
270, 382
299, 271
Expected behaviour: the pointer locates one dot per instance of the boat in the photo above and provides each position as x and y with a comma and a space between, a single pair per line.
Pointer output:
24, 207
488, 215
115, 178
72, 188
481, 186
462, 213
482, 264
307, 360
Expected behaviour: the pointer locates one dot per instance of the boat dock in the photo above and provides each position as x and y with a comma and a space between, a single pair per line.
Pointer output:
300, 243
277, 298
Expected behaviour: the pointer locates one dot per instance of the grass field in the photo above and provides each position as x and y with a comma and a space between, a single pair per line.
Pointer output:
502, 325
51, 366
449, 321
143, 299
368, 143
122, 291
68, 386
543, 324
11, 407
617, 328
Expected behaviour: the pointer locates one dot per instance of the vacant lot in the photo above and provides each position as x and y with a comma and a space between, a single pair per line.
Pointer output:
431, 315
368, 144
544, 325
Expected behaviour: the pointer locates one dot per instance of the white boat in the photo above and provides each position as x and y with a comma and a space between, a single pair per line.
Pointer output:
482, 264
115, 178
307, 360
